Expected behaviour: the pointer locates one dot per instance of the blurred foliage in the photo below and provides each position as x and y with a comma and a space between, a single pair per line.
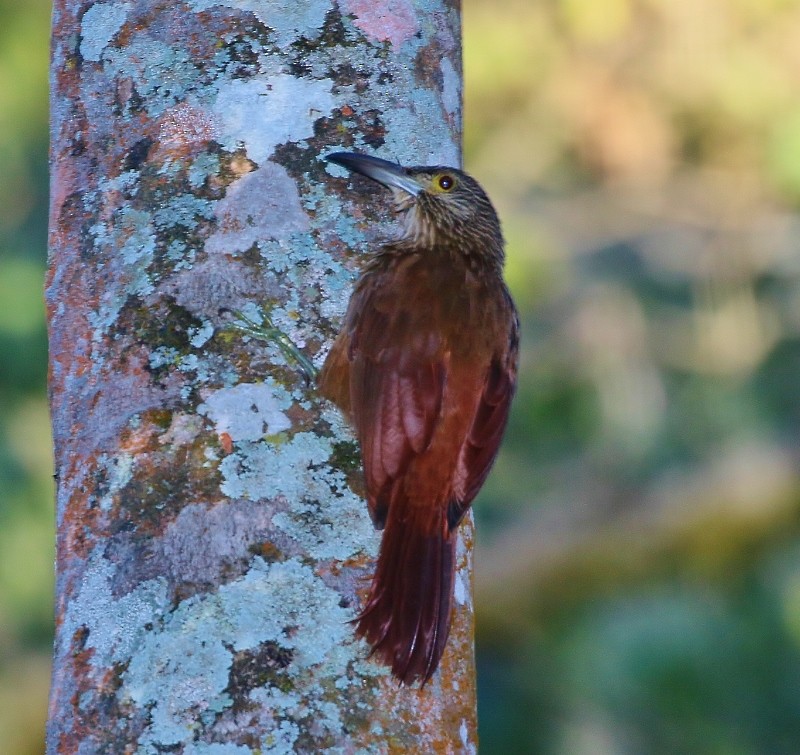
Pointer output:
639, 559
26, 486
639, 541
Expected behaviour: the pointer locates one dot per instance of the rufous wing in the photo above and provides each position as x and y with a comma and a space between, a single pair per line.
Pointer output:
488, 425
398, 372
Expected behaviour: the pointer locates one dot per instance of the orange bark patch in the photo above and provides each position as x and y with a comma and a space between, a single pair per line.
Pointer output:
182, 130
226, 442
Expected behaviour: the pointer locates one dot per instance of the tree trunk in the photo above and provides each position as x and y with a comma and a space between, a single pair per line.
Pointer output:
211, 547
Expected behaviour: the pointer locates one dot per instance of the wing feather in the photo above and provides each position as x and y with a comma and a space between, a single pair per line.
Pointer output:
397, 383
488, 425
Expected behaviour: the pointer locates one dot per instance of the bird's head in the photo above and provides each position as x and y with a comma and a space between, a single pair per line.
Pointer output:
442, 206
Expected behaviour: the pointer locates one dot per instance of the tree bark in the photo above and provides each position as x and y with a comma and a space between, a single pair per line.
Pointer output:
211, 548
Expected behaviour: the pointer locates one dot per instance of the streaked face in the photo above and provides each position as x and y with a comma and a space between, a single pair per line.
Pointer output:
442, 205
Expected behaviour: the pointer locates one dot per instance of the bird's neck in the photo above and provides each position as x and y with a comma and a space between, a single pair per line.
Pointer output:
448, 253
460, 246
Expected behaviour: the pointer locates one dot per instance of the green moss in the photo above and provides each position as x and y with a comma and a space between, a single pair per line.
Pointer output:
163, 482
161, 418
166, 325
262, 666
346, 456
232, 165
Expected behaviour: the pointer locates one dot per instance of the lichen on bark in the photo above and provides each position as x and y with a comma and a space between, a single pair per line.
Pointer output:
212, 546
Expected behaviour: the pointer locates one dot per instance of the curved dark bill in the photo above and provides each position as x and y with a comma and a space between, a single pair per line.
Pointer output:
389, 174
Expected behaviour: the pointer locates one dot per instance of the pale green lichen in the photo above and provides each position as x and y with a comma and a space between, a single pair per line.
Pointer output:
127, 181
178, 686
298, 470
183, 210
99, 25
199, 336
306, 266
282, 738
267, 470
119, 471
345, 532
132, 239
163, 356
165, 75
116, 625
289, 20
215, 748
203, 166
262, 606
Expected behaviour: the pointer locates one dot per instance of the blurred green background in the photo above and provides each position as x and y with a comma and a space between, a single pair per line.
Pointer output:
638, 569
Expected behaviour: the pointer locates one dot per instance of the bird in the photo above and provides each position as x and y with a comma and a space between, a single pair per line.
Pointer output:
424, 368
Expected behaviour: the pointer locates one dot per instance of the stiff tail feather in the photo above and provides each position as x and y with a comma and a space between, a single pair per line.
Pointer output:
407, 615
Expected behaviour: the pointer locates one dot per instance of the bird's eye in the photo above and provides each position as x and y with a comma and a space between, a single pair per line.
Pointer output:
446, 182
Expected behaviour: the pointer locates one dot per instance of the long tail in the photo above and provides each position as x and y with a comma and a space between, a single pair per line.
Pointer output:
407, 615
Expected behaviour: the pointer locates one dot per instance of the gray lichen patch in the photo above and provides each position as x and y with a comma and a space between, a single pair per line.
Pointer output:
132, 236
164, 74
218, 285
260, 206
322, 516
248, 411
261, 115
204, 546
338, 532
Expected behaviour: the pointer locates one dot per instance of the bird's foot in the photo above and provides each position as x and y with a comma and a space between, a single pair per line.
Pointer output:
266, 331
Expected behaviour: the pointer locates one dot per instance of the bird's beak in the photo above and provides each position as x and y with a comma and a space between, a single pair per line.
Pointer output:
391, 175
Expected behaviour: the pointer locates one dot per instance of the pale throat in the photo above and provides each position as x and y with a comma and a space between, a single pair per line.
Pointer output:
418, 228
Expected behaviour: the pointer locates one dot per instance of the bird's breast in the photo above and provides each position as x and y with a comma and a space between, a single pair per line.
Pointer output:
436, 289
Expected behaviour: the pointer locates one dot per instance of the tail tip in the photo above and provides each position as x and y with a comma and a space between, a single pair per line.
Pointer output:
410, 662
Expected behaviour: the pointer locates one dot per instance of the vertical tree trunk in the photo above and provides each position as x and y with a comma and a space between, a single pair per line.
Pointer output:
211, 549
